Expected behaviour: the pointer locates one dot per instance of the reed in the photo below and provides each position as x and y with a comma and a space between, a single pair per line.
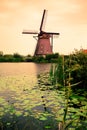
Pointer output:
61, 77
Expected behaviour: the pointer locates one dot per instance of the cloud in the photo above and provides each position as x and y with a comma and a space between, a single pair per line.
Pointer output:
64, 11
78, 13
8, 11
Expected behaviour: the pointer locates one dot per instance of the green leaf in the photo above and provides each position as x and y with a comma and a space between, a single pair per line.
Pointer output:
43, 118
65, 113
47, 127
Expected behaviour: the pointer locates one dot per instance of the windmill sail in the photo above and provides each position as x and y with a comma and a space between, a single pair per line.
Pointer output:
29, 32
53, 33
43, 20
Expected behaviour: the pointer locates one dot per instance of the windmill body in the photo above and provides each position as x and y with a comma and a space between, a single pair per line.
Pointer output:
43, 46
45, 39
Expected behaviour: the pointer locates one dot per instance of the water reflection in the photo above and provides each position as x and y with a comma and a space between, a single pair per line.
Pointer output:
41, 68
9, 69
20, 96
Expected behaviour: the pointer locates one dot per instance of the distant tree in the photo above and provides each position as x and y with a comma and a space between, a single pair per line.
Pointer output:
28, 58
17, 57
1, 53
8, 58
39, 59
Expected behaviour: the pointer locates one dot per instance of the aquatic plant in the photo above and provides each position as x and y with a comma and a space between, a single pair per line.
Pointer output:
51, 102
61, 78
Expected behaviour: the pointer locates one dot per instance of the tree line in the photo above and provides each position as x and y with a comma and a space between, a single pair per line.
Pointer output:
16, 57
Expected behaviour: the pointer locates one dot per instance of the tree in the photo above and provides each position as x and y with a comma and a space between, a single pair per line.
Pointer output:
8, 58
17, 57
1, 53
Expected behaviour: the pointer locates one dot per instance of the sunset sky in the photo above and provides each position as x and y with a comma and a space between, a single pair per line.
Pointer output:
67, 17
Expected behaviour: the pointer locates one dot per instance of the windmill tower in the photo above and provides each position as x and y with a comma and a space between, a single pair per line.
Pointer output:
44, 39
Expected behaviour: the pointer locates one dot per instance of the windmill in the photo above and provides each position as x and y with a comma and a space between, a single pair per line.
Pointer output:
44, 39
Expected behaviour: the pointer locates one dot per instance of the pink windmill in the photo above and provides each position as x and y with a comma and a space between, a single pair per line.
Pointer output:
44, 39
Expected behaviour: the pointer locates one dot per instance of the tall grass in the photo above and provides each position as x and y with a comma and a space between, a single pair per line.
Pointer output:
60, 77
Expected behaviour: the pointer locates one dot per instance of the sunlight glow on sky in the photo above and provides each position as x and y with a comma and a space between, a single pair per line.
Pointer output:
67, 17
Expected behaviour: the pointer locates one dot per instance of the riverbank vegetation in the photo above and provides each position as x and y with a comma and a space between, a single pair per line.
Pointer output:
70, 76
57, 102
68, 81
20, 58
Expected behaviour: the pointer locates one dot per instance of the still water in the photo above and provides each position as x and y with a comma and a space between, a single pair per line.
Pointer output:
30, 69
18, 85
17, 77
20, 96
22, 102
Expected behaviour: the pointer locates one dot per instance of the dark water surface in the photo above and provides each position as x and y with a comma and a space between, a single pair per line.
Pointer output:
25, 104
